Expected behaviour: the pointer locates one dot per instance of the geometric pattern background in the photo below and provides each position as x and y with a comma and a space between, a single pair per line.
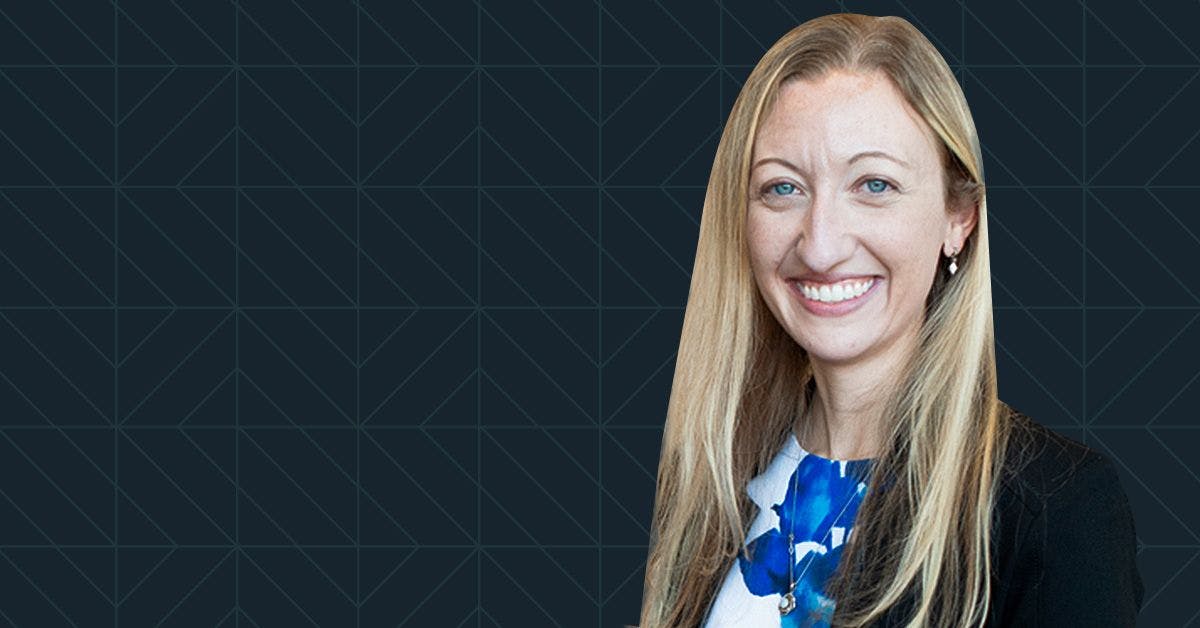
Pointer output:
365, 314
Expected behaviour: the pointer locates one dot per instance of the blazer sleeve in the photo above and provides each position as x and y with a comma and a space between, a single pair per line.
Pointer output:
1079, 558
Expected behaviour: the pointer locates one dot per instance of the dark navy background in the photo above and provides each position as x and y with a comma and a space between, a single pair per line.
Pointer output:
365, 314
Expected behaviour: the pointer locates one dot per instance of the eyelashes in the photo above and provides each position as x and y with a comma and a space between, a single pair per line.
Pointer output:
873, 186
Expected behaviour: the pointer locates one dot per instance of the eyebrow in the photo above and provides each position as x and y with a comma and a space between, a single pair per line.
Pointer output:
862, 155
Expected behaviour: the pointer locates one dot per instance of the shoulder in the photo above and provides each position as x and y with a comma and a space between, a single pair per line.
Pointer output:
1044, 468
1062, 513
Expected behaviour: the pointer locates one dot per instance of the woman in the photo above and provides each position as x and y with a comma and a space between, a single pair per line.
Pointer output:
835, 451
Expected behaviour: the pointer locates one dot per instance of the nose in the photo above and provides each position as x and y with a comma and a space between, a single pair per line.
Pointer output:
825, 237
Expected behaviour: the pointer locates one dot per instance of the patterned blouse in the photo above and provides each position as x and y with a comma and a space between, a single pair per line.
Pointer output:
812, 499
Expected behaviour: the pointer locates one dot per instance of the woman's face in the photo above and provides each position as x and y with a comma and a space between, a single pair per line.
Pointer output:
846, 190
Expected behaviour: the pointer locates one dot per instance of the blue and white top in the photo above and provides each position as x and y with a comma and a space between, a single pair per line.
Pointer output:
816, 500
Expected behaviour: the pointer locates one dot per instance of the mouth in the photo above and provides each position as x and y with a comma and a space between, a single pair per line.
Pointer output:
835, 299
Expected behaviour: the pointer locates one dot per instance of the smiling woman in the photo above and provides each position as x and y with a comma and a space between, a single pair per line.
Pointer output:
835, 452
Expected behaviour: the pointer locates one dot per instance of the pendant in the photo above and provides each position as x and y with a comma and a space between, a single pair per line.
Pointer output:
787, 604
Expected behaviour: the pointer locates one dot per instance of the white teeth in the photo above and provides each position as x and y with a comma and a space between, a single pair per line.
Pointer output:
839, 292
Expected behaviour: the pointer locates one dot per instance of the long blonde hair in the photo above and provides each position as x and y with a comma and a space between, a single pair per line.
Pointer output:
741, 381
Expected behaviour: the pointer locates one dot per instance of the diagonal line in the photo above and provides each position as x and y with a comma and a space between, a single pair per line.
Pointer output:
605, 362
318, 447
411, 552
203, 158
204, 399
150, 334
533, 119
52, 365
674, 262
1166, 267
564, 90
416, 245
716, 132
417, 368
649, 474
582, 48
137, 585
1129, 381
51, 481
299, 370
670, 116
1170, 401
203, 32
146, 96
182, 361
516, 584
317, 145
945, 50
1129, 81
1170, 30
433, 500
633, 38
436, 588
1016, 118
134, 23
1115, 36
542, 428
51, 122
1049, 31
417, 127
37, 588
617, 589
645, 382
1136, 315
279, 588
388, 34
297, 66
450, 395
682, 209
55, 246
758, 44
449, 154
50, 62
174, 127
30, 161
1145, 124
58, 429
1038, 382
1150, 491
444, 32
81, 31
1181, 224
1170, 160
202, 580
517, 345
176, 246
534, 242
363, 121
1015, 238
169, 479
605, 119
1167, 583
691, 36
301, 251
1171, 452
57, 309
324, 32
411, 315
306, 494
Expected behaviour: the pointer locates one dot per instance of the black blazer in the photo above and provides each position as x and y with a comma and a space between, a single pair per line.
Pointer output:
1064, 543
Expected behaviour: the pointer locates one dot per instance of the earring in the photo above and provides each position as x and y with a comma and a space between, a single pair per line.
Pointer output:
953, 268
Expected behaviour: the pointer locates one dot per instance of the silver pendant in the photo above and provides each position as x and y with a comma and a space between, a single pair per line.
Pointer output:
787, 604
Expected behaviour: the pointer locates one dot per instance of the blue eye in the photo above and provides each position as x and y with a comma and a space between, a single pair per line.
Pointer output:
877, 186
783, 188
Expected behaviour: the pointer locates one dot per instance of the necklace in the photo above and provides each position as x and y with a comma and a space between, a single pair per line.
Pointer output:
787, 603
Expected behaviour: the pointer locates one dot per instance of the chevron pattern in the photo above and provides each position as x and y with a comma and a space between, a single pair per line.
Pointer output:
365, 314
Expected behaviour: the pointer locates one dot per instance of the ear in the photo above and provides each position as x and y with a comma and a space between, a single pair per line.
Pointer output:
962, 222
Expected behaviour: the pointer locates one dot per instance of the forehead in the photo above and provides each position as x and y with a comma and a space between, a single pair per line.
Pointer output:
839, 114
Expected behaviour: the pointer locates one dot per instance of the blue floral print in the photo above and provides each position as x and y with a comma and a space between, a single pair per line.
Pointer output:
821, 494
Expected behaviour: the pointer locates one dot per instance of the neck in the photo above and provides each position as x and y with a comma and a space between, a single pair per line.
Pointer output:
843, 420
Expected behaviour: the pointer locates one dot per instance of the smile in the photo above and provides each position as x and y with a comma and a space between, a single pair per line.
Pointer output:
834, 299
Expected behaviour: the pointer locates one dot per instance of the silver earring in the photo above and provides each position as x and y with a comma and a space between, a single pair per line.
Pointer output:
953, 268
